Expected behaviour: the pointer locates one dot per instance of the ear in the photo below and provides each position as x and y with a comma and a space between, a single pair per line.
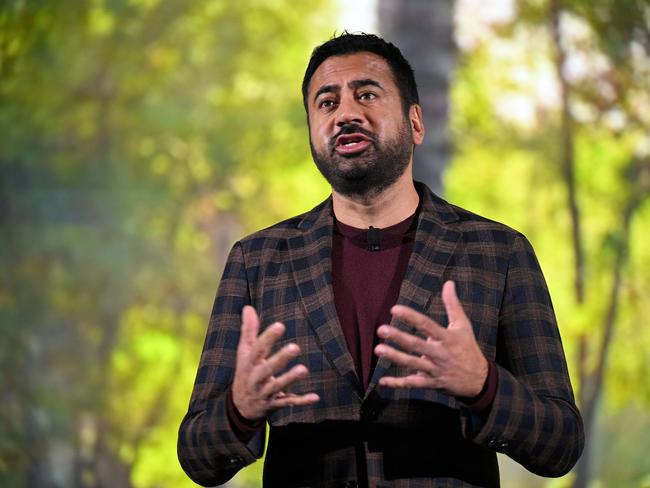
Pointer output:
417, 124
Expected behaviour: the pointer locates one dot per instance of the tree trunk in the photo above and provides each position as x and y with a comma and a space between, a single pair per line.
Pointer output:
568, 156
592, 387
591, 383
423, 31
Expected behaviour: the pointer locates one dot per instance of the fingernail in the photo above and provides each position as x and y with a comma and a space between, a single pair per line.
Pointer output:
383, 331
380, 349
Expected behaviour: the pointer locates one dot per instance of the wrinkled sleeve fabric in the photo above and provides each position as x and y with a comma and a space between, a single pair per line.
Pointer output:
533, 417
209, 450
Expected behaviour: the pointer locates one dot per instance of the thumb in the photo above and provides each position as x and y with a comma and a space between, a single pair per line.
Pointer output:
455, 312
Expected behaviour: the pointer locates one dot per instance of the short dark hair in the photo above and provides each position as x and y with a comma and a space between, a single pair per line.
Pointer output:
348, 43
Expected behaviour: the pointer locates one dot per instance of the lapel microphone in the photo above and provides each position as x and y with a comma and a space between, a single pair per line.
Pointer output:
374, 239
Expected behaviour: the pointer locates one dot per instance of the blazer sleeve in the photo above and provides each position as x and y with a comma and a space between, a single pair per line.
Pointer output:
208, 448
534, 418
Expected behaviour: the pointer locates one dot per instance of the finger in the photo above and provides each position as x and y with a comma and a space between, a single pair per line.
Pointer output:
250, 326
280, 359
265, 341
284, 381
406, 341
455, 312
291, 400
263, 370
403, 359
420, 321
410, 381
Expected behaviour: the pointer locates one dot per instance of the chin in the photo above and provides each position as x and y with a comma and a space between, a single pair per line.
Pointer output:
359, 187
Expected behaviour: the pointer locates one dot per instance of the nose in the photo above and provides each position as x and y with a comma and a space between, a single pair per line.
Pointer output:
349, 111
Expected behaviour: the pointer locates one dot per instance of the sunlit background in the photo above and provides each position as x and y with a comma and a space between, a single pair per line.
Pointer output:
140, 138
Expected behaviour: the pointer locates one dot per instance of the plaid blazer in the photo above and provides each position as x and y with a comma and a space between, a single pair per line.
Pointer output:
384, 437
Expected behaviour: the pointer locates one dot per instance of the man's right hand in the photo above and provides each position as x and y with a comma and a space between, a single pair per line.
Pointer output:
256, 390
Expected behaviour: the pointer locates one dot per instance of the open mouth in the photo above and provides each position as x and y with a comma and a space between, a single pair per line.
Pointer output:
349, 144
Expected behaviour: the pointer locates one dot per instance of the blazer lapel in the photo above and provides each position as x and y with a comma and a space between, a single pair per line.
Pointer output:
434, 245
311, 261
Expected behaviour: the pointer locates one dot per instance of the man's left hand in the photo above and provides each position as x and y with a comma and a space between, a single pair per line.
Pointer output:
448, 359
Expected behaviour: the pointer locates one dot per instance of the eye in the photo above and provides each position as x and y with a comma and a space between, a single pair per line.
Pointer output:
326, 103
367, 96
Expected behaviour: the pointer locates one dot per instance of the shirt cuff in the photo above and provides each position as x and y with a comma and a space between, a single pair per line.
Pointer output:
482, 402
243, 428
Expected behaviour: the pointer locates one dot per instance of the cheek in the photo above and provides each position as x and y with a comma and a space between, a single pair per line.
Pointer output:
319, 133
314, 137
381, 128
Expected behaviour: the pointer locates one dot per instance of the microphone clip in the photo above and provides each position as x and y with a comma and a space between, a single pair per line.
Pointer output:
374, 239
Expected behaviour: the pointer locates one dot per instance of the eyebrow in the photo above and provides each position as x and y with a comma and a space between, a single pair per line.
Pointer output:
354, 85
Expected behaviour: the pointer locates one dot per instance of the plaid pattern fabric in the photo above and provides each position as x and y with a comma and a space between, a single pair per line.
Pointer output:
384, 437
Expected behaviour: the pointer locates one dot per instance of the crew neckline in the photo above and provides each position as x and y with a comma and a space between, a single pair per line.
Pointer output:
390, 236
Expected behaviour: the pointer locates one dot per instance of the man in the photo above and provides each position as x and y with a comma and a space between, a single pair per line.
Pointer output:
468, 361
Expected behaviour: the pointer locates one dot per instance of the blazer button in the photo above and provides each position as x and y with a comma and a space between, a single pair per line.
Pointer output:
370, 414
236, 460
492, 443
503, 445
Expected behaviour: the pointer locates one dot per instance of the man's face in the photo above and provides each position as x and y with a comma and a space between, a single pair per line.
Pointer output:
360, 139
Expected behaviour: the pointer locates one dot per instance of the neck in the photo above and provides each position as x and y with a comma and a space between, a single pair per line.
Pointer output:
391, 206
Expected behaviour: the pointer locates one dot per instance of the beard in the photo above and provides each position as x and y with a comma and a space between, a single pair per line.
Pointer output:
370, 172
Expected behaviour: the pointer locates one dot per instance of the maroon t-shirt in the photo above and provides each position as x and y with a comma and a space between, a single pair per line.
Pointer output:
366, 284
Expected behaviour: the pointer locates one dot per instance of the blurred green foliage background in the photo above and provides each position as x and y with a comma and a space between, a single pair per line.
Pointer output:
140, 138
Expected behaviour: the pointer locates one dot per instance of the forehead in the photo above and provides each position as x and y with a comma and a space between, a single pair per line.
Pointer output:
339, 70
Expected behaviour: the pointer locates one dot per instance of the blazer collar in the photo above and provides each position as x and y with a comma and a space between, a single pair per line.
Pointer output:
310, 251
311, 261
435, 241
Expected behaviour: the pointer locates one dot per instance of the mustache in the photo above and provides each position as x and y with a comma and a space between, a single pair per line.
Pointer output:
353, 129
